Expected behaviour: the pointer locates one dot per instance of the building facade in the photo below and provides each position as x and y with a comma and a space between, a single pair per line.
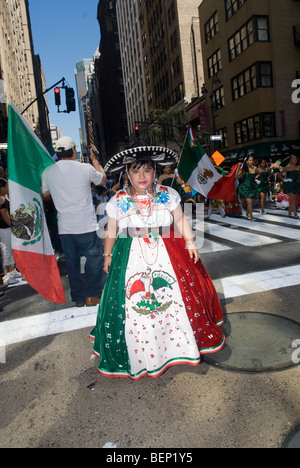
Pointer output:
161, 63
21, 74
112, 119
251, 59
132, 62
83, 70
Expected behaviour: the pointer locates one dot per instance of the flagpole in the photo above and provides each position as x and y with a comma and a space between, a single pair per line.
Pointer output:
182, 150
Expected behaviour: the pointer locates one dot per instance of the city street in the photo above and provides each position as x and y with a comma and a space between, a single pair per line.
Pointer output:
52, 395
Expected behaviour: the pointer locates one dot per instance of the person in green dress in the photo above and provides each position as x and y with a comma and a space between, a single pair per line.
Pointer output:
172, 179
290, 175
263, 179
248, 189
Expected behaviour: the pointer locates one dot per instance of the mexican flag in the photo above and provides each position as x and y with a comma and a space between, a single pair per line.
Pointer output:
198, 171
31, 245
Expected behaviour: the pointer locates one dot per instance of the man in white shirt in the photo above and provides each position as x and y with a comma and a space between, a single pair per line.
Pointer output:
69, 183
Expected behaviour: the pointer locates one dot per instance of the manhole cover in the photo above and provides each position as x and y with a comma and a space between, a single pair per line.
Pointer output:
258, 342
293, 439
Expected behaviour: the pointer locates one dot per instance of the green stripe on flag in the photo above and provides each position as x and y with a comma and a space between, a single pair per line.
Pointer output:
191, 156
27, 158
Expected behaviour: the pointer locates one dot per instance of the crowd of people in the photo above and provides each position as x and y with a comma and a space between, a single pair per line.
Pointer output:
157, 305
257, 182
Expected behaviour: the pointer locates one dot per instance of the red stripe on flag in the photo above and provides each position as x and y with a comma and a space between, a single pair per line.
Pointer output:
223, 189
42, 274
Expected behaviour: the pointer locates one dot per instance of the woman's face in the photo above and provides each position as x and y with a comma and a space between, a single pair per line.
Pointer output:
250, 161
141, 177
167, 169
294, 160
4, 190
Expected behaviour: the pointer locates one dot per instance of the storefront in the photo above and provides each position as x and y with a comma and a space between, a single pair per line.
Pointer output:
271, 150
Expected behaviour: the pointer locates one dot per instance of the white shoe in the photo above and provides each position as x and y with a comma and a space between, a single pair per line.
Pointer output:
8, 279
16, 274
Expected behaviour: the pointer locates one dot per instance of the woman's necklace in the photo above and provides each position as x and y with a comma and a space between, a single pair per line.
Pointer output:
144, 250
150, 239
145, 214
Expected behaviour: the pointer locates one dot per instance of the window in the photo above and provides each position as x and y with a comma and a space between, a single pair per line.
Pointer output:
255, 127
171, 13
214, 64
176, 67
219, 98
173, 40
262, 29
265, 75
297, 35
256, 29
259, 75
232, 6
224, 141
211, 27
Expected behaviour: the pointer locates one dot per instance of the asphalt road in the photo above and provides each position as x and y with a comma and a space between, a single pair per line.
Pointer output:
52, 395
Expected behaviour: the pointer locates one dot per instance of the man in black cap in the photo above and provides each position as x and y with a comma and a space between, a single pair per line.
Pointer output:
69, 183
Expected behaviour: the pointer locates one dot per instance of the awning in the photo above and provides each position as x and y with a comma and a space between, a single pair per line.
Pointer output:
268, 150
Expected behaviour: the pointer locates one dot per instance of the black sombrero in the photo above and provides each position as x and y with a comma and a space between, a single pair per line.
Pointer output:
157, 154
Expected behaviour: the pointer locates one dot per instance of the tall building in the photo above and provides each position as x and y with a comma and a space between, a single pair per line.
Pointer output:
84, 69
171, 53
133, 65
110, 86
251, 57
21, 74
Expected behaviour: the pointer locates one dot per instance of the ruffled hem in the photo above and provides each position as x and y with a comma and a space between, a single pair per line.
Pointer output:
158, 372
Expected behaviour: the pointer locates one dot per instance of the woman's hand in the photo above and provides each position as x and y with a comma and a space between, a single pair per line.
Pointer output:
107, 262
193, 253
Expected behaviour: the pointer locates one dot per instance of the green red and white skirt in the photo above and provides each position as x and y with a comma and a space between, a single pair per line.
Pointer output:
157, 309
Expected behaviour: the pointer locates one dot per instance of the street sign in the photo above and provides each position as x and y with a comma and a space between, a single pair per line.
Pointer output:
216, 137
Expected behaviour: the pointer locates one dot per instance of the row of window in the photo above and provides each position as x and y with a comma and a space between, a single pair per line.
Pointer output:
176, 96
259, 75
255, 30
252, 128
211, 27
255, 127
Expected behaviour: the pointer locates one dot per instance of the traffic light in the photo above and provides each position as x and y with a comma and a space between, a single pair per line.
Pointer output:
137, 131
70, 99
57, 96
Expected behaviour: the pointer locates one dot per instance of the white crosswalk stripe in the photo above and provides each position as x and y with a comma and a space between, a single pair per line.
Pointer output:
74, 318
270, 228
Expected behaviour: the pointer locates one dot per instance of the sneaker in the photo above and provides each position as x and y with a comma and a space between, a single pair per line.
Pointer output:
8, 279
16, 274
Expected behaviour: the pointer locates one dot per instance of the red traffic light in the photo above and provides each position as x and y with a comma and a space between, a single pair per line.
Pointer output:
57, 96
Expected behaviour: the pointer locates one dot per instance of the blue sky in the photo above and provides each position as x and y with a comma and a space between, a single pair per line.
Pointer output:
64, 32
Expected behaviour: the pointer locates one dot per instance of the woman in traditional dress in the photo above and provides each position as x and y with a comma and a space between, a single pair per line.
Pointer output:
159, 306
291, 183
263, 188
248, 189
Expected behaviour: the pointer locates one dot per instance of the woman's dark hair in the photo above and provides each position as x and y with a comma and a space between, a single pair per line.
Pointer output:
138, 164
3, 182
